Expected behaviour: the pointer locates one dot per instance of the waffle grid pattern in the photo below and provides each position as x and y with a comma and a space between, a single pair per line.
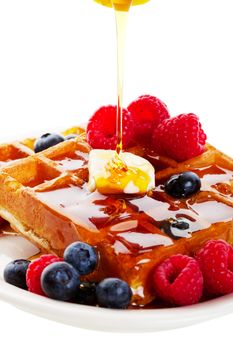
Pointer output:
44, 197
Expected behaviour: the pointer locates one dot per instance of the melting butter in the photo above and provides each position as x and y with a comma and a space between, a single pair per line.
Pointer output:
128, 173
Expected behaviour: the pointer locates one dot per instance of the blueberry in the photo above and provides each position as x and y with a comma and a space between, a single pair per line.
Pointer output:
82, 256
70, 136
113, 293
168, 225
86, 293
60, 281
46, 141
183, 185
15, 273
181, 225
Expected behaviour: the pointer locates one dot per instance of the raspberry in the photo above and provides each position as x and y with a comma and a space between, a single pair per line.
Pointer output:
101, 128
35, 270
179, 280
216, 262
147, 113
180, 138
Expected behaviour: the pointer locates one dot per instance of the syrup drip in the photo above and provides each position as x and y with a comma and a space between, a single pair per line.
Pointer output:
121, 8
121, 177
121, 22
121, 16
120, 172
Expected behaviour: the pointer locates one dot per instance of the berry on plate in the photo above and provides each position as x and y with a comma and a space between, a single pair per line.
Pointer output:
15, 273
60, 281
82, 256
46, 141
147, 113
178, 280
183, 185
179, 138
35, 270
86, 294
113, 293
101, 128
216, 262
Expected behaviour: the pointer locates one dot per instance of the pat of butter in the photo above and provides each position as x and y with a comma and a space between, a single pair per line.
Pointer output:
133, 174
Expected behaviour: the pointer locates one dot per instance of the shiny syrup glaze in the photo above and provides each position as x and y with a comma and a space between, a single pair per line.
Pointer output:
217, 179
134, 225
73, 161
213, 179
134, 233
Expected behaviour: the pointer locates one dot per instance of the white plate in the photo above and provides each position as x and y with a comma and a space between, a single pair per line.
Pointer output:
99, 318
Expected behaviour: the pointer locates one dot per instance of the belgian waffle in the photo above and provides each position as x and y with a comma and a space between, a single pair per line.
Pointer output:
11, 152
45, 198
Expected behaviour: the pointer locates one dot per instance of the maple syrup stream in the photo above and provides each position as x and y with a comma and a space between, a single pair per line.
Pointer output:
121, 17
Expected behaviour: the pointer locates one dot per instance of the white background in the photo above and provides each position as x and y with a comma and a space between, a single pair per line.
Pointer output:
57, 65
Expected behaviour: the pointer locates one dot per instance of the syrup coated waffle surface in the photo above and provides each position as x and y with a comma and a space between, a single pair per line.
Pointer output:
11, 152
45, 198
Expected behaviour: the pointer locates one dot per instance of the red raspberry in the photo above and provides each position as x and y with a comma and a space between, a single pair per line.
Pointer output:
35, 270
216, 262
179, 280
147, 113
180, 138
101, 128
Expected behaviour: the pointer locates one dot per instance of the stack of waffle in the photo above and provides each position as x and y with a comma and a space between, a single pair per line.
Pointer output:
45, 199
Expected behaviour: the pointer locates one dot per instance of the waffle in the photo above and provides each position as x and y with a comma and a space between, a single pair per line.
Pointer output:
45, 198
11, 152
7, 230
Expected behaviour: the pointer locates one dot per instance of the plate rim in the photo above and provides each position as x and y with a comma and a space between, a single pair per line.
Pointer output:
111, 320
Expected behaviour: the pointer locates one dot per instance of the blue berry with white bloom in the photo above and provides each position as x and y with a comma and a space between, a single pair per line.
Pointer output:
15, 273
60, 281
82, 256
113, 293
